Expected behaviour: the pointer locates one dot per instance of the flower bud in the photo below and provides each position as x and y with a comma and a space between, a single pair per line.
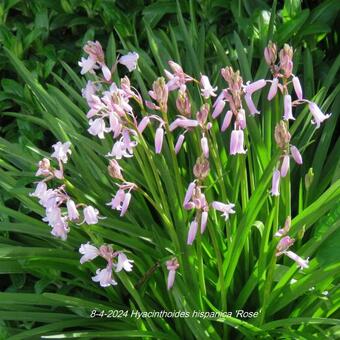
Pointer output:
275, 183
288, 110
255, 86
72, 211
201, 168
309, 178
284, 244
160, 93
218, 108
183, 102
284, 166
296, 154
282, 135
44, 167
115, 170
227, 120
172, 265
204, 220
270, 53
297, 87
94, 49
179, 143
143, 124
192, 232
205, 147
286, 60
159, 136
273, 89
202, 115
251, 105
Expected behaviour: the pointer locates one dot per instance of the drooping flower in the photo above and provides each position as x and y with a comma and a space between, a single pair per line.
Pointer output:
284, 166
207, 90
250, 88
95, 59
121, 200
106, 72
172, 265
227, 120
189, 193
60, 229
72, 211
192, 232
318, 116
297, 87
143, 124
61, 150
40, 190
104, 277
299, 261
284, 244
241, 119
275, 183
288, 112
129, 60
273, 89
53, 215
237, 142
87, 65
296, 154
225, 209
96, 106
204, 220
125, 204
117, 200
123, 263
176, 79
90, 215
218, 108
89, 91
89, 252
251, 106
97, 127
123, 147
179, 143
184, 123
159, 136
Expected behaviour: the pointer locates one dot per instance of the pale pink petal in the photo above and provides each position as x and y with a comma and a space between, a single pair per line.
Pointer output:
285, 166
296, 154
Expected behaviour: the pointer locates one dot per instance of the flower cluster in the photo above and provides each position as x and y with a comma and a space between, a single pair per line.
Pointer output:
283, 71
116, 260
282, 77
112, 111
58, 205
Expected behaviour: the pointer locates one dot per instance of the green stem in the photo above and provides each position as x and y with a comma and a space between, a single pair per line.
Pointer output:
203, 290
220, 284
271, 268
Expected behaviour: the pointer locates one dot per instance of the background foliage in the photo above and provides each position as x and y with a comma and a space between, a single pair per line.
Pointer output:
45, 291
